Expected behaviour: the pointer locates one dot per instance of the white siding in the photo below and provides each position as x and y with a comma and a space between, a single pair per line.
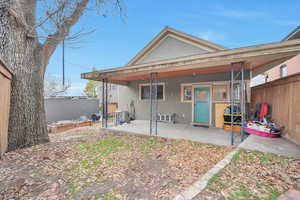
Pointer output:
171, 47
113, 94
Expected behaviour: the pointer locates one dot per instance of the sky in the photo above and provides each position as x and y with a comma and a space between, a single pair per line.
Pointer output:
116, 39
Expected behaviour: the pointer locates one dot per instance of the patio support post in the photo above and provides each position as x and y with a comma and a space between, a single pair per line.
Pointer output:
103, 105
242, 100
232, 102
153, 104
106, 105
237, 78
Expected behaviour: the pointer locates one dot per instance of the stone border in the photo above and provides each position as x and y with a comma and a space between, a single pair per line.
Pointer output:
202, 182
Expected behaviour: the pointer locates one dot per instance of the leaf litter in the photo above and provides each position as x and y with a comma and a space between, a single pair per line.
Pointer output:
87, 164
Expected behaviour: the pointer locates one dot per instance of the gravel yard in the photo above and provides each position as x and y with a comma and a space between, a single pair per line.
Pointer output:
87, 164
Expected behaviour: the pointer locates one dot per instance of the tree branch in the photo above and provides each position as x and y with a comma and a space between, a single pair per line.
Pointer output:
49, 15
63, 30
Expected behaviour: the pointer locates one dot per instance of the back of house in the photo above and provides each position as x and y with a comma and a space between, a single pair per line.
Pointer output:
192, 77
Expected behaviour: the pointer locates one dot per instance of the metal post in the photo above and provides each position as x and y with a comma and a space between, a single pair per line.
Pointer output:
232, 102
103, 105
155, 104
106, 105
151, 103
242, 101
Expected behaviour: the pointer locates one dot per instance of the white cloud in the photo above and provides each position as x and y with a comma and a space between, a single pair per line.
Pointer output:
245, 14
283, 22
209, 35
214, 36
252, 15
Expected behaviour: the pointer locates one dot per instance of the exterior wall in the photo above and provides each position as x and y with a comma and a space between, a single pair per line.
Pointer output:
258, 80
284, 99
172, 103
5, 89
69, 108
169, 48
112, 90
293, 67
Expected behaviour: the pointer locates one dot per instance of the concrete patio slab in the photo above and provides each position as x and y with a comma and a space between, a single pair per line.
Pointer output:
279, 146
216, 136
180, 131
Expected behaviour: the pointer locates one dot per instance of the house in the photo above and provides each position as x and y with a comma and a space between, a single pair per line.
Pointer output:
190, 77
289, 67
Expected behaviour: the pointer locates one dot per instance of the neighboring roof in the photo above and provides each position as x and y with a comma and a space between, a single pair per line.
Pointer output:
168, 31
295, 34
280, 81
258, 56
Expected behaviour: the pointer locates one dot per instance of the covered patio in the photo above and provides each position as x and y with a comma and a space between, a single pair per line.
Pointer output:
235, 66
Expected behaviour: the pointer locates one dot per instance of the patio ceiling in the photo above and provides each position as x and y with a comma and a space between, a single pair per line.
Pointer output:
258, 58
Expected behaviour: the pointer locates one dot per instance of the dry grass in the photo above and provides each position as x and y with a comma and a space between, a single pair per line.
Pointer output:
254, 175
86, 164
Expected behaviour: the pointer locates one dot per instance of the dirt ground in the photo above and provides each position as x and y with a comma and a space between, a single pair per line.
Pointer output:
254, 175
87, 164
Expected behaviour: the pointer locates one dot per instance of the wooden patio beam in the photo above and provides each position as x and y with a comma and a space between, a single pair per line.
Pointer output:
267, 53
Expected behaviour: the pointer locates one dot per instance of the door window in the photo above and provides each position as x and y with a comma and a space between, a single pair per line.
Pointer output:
201, 95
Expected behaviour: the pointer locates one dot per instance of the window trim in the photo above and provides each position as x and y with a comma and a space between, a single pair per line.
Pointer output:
148, 84
182, 85
212, 83
221, 83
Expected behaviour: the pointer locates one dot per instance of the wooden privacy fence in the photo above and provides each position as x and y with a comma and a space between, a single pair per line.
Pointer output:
283, 96
5, 86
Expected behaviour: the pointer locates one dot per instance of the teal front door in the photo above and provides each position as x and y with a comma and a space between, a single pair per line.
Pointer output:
202, 105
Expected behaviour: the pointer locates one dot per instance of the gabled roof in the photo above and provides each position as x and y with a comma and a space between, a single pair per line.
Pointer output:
255, 58
168, 31
295, 34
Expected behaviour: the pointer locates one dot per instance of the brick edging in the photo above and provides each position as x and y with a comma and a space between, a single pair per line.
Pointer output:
202, 182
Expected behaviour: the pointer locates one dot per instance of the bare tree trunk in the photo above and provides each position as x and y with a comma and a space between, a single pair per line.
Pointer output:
24, 57
28, 59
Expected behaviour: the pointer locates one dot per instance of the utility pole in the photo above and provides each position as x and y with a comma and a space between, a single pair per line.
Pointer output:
63, 62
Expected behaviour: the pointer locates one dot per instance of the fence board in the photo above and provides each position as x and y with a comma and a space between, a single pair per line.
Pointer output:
283, 95
5, 86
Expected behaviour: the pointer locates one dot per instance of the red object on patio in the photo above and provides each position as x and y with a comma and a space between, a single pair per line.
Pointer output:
261, 133
263, 111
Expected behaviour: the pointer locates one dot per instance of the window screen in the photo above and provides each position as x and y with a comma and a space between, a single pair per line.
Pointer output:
220, 93
145, 92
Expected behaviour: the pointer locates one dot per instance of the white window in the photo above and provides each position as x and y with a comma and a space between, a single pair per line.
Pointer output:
283, 71
236, 91
144, 91
220, 93
186, 93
